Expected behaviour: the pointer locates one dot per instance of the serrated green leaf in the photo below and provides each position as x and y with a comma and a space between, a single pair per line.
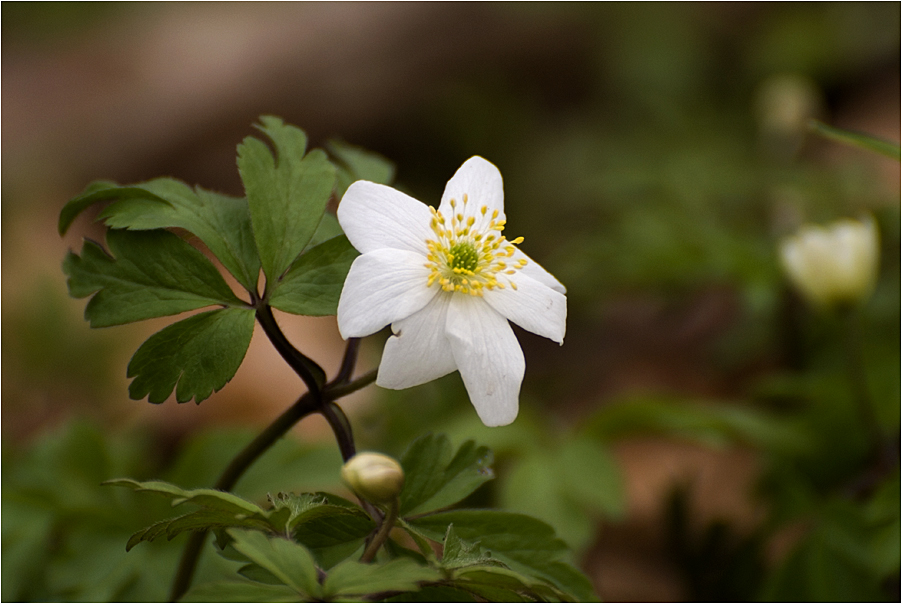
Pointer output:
457, 553
524, 544
209, 498
492, 593
288, 561
504, 578
352, 578
195, 356
148, 533
259, 574
203, 520
287, 194
328, 228
435, 479
312, 286
327, 526
240, 591
332, 533
150, 274
440, 593
82, 202
856, 139
568, 579
356, 163
220, 221
287, 507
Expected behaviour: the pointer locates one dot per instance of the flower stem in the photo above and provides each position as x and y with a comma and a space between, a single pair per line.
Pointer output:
859, 383
382, 534
312, 374
318, 399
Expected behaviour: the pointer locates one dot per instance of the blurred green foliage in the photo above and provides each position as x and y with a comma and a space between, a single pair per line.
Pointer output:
636, 163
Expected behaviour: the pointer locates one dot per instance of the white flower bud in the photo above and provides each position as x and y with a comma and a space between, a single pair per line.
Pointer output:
836, 264
375, 477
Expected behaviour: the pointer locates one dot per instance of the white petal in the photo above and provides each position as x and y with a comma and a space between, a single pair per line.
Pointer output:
481, 181
489, 358
375, 216
533, 306
534, 269
419, 352
383, 286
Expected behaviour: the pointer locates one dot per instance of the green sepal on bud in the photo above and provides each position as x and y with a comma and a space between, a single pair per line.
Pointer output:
375, 477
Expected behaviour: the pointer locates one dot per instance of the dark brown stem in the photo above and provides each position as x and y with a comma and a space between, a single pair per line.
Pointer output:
319, 398
312, 374
382, 534
348, 362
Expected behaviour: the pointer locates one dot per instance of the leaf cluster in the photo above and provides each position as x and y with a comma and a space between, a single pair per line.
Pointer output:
306, 547
280, 227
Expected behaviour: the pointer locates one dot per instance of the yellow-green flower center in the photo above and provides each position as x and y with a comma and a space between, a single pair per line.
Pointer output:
463, 256
467, 257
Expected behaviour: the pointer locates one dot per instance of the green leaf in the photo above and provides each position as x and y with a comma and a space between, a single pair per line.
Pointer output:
151, 274
288, 561
436, 478
856, 139
221, 222
497, 577
524, 544
195, 356
240, 591
356, 163
352, 578
328, 228
82, 202
287, 195
440, 593
333, 532
218, 510
312, 286
210, 498
457, 553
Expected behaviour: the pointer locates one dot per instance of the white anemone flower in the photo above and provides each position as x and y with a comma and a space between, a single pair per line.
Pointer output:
833, 264
447, 281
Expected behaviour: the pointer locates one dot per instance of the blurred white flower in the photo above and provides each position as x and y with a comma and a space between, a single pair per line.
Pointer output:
836, 264
447, 281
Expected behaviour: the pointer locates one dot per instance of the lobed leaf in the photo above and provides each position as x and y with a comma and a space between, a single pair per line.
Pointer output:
435, 478
195, 356
220, 221
356, 163
240, 591
287, 194
312, 286
524, 544
352, 578
286, 560
150, 274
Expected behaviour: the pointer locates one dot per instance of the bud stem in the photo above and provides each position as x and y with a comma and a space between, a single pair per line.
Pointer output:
382, 534
859, 381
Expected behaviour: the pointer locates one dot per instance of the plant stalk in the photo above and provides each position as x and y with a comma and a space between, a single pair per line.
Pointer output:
382, 534
319, 398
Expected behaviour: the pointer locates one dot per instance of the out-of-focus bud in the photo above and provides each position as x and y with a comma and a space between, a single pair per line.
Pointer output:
783, 106
375, 477
835, 264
